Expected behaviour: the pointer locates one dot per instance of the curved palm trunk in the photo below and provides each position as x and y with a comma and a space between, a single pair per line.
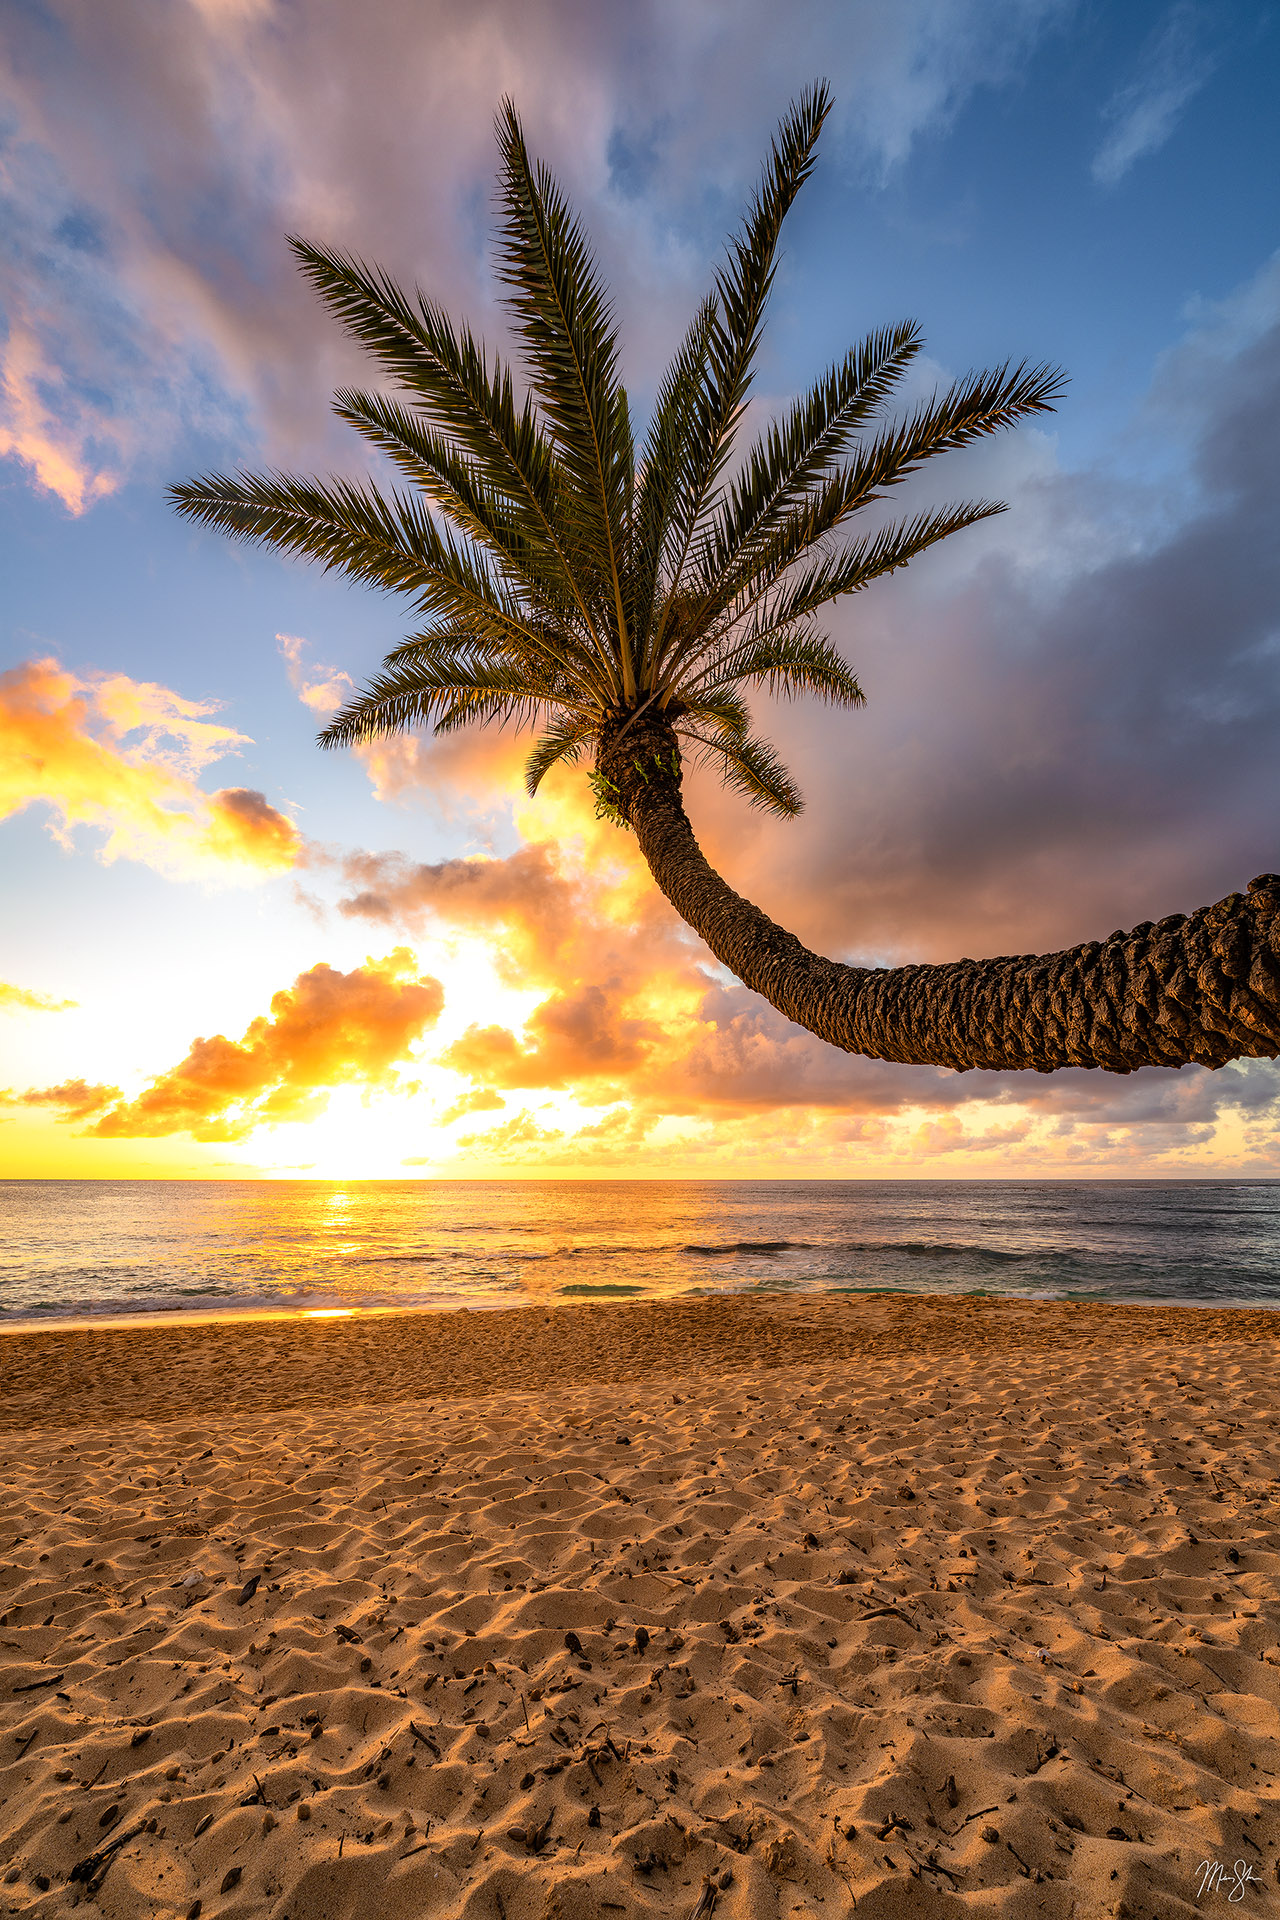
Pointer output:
1204, 987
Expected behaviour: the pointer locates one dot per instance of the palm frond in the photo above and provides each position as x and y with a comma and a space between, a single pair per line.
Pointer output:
752, 768
787, 662
452, 480
567, 326
742, 287
482, 709
421, 693
666, 476
868, 559
743, 284
564, 739
972, 409
446, 370
449, 375
390, 543
794, 455
442, 647
457, 486
722, 708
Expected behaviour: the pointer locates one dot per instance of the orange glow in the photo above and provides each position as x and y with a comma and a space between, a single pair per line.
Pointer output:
328, 1030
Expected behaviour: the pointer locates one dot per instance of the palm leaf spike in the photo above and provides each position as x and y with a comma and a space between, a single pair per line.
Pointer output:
624, 608
736, 319
565, 322
661, 538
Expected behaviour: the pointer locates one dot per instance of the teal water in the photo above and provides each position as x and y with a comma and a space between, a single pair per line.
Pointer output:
75, 1248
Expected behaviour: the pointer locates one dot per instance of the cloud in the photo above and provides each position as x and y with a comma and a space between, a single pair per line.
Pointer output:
323, 689
244, 827
532, 895
30, 1001
74, 1099
480, 1100
35, 430
152, 161
576, 1037
1173, 67
328, 1030
122, 756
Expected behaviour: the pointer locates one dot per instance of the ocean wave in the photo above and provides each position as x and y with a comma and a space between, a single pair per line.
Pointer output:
961, 1250
604, 1287
753, 1246
375, 1257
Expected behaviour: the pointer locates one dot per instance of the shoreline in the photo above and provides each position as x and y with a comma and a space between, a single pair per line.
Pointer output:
153, 1317
80, 1375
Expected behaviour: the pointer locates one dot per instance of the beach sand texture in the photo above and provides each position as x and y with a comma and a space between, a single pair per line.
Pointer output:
970, 1610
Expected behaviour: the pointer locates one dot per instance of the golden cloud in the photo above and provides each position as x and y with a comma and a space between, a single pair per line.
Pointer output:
528, 898
328, 1030
581, 1034
481, 1100
30, 1001
74, 1099
123, 756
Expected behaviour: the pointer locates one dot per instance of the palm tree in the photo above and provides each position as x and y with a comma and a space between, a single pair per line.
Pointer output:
622, 600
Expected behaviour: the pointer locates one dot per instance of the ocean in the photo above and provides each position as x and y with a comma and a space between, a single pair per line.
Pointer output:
108, 1248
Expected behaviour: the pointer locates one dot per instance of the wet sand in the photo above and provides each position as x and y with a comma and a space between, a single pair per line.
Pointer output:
766, 1608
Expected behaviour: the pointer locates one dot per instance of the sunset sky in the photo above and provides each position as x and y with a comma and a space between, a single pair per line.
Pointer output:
223, 952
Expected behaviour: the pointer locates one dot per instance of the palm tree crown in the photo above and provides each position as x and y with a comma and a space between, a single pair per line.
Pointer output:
564, 576
626, 601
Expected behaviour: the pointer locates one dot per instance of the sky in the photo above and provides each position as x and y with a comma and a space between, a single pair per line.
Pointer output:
225, 953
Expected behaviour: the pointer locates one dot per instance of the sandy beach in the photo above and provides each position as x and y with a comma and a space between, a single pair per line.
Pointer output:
760, 1607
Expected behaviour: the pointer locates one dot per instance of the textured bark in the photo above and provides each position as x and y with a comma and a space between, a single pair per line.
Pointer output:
1200, 987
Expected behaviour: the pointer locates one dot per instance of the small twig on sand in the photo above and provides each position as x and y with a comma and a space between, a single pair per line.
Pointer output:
706, 1902
952, 1831
92, 1868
